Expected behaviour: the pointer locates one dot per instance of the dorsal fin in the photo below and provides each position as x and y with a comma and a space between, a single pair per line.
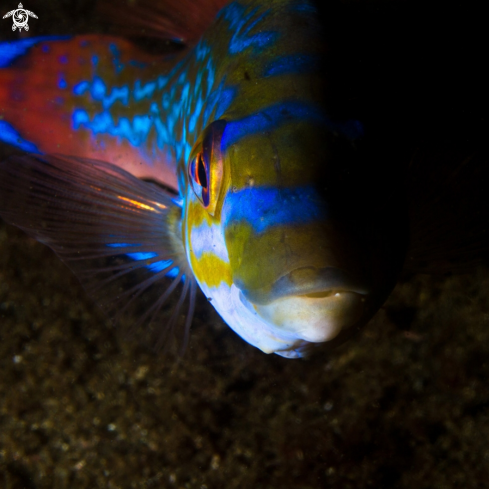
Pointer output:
179, 20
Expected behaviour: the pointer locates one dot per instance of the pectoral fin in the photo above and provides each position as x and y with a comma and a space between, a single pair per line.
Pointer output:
121, 236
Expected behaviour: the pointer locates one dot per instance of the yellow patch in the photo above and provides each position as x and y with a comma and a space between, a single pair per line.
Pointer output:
211, 270
197, 215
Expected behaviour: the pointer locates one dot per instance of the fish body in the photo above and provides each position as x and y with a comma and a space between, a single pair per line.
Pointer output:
277, 213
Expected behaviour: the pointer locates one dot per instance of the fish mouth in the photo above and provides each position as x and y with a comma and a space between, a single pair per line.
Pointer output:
310, 282
311, 304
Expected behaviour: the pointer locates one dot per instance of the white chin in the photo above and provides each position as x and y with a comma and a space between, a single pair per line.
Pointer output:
288, 325
314, 318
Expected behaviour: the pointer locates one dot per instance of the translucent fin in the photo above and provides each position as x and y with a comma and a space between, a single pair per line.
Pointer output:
449, 210
179, 20
120, 236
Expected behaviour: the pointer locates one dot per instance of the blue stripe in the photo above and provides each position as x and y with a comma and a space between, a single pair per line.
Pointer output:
265, 207
11, 50
10, 136
268, 119
293, 64
225, 100
242, 23
281, 113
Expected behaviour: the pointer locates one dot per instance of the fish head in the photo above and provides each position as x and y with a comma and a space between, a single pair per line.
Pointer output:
279, 232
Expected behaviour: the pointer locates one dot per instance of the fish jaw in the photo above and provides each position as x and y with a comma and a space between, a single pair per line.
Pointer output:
288, 327
243, 319
314, 319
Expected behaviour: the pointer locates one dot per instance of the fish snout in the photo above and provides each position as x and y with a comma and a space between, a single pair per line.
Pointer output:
311, 304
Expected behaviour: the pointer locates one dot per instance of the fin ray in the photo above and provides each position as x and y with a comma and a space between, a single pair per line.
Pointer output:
118, 234
179, 20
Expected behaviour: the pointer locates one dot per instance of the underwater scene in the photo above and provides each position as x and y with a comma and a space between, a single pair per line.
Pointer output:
243, 244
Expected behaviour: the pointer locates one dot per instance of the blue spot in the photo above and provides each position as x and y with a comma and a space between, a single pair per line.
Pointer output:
118, 93
135, 131
81, 88
296, 63
101, 122
156, 267
173, 273
98, 88
145, 91
80, 118
11, 50
141, 125
10, 136
168, 122
63, 59
114, 50
265, 207
159, 266
95, 60
163, 81
98, 91
202, 50
62, 83
142, 256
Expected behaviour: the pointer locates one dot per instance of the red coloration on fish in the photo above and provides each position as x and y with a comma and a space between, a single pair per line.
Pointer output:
37, 98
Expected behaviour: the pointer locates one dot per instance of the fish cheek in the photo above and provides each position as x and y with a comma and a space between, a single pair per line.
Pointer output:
237, 235
206, 250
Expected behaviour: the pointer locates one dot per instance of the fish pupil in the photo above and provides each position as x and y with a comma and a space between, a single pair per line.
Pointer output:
201, 173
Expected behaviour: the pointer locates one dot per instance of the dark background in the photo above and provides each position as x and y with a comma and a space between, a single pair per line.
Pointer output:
405, 404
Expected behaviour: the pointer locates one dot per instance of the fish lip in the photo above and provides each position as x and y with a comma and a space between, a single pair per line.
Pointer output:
304, 281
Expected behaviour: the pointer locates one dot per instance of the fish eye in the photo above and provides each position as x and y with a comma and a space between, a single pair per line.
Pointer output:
205, 167
198, 170
202, 171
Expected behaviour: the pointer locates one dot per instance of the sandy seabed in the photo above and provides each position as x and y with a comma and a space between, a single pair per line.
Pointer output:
405, 404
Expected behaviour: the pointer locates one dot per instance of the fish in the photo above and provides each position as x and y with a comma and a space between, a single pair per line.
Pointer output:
222, 165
